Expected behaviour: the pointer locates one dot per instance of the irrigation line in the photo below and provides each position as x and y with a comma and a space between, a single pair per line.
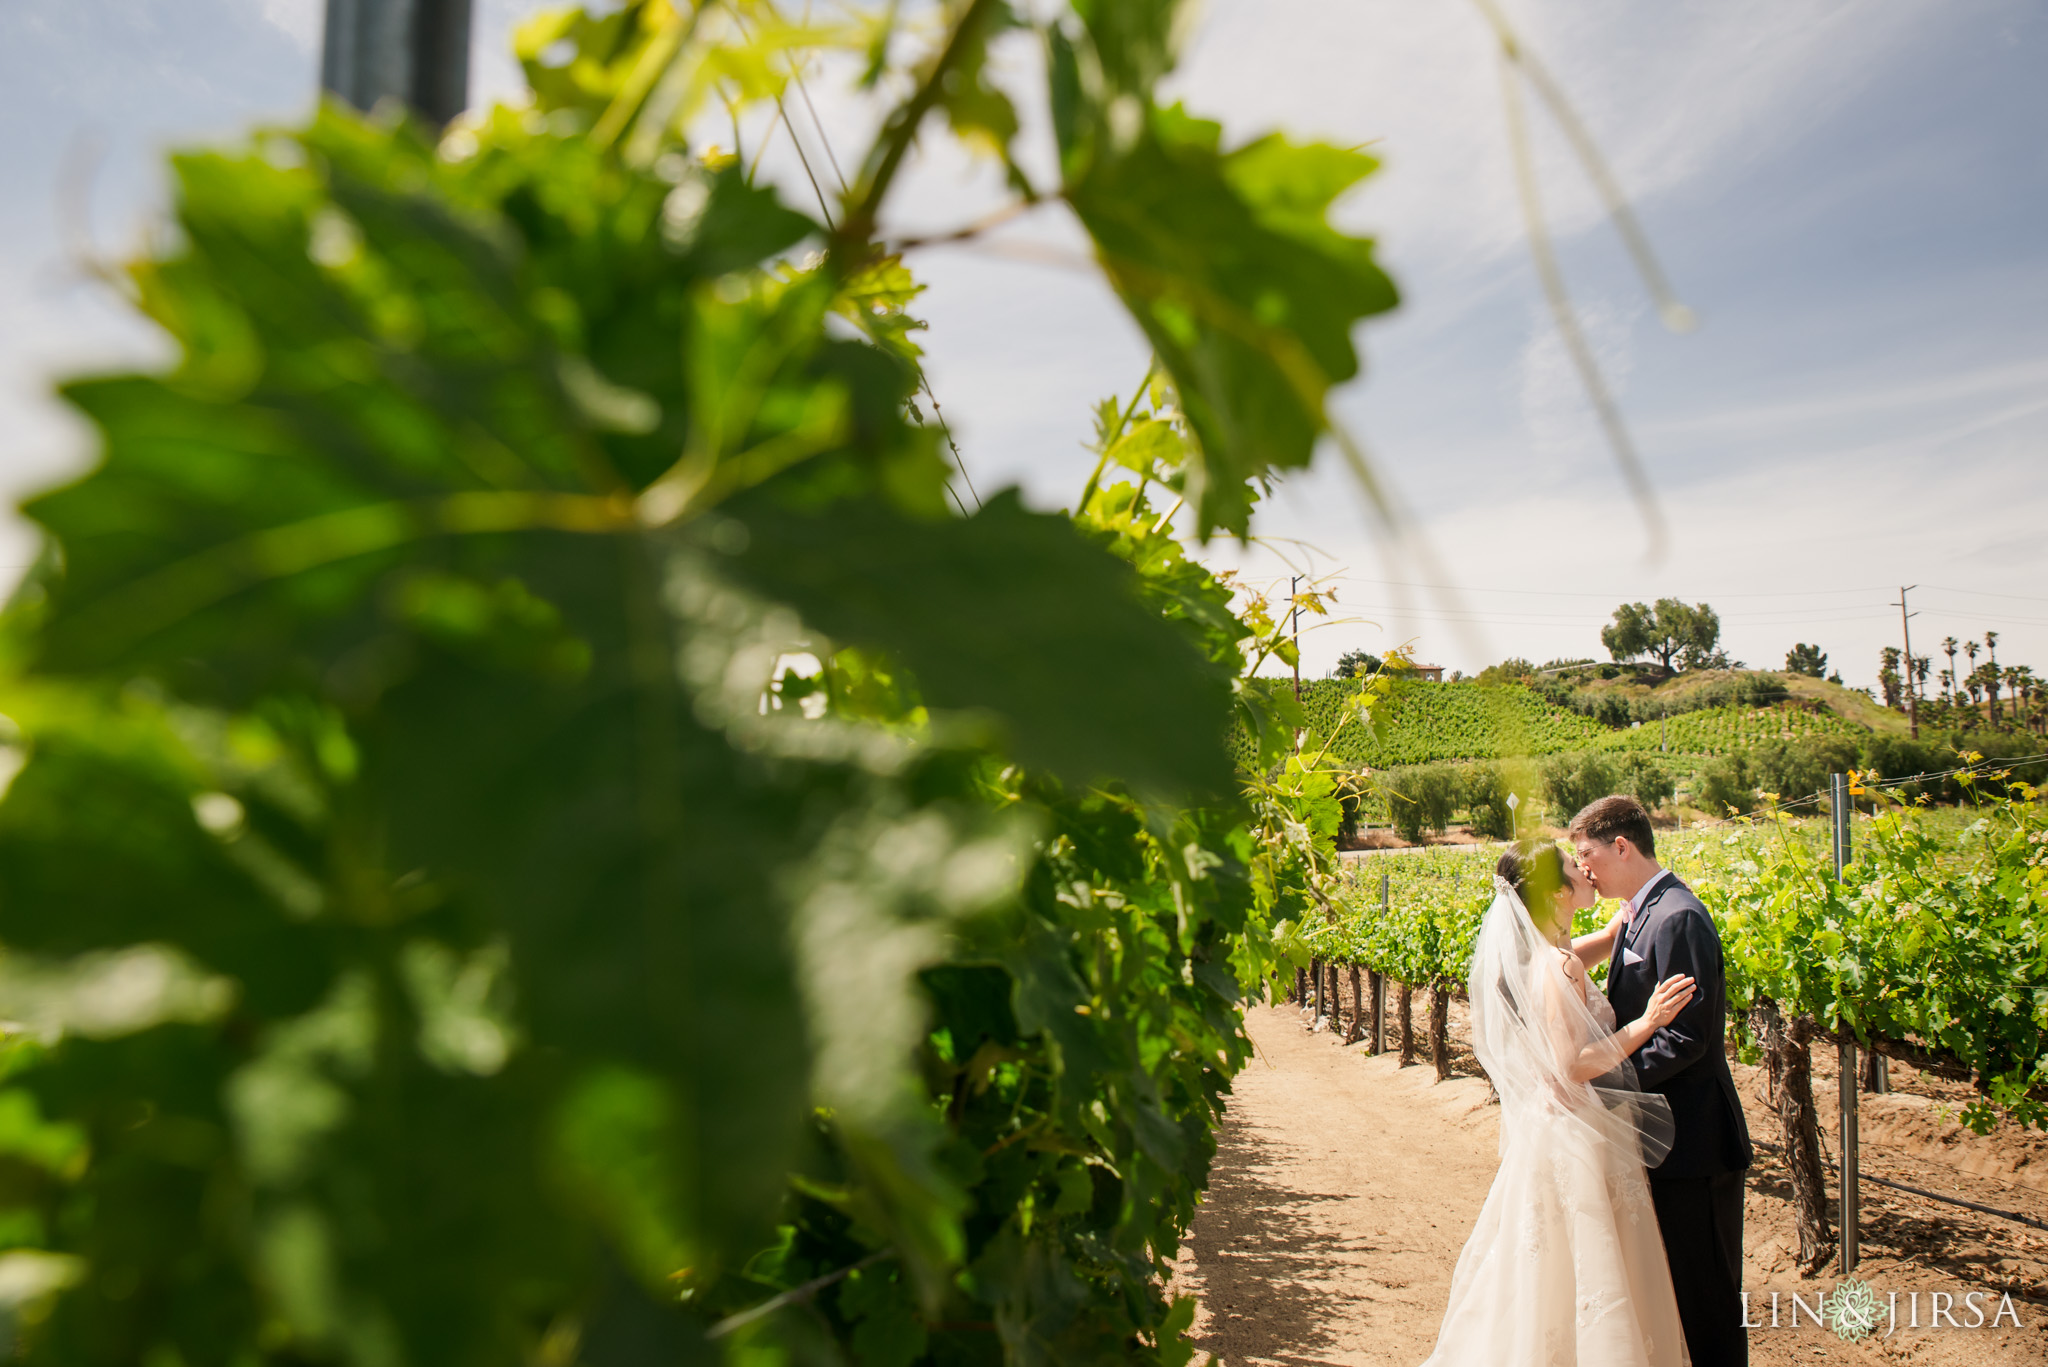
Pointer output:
2012, 1215
2015, 1216
1861, 1176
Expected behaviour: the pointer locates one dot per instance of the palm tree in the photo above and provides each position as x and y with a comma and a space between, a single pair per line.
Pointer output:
1948, 680
1970, 680
1888, 677
2030, 690
1984, 680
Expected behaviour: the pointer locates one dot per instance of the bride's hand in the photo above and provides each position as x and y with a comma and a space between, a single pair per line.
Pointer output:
1668, 1000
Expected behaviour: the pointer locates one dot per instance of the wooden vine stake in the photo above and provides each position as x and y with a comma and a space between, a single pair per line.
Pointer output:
1357, 1007
1440, 1029
1376, 1034
1787, 1052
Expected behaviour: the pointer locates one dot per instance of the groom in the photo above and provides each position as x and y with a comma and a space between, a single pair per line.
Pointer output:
1698, 1187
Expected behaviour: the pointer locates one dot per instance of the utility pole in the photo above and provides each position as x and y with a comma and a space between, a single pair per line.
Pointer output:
413, 51
1906, 674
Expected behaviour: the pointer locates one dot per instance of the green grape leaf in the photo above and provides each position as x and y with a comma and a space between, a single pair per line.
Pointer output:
876, 298
1151, 448
1008, 613
1248, 296
981, 114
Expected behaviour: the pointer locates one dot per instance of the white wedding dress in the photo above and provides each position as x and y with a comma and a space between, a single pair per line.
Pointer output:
1565, 1267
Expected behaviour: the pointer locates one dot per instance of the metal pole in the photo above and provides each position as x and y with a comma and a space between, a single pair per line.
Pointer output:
1845, 1060
1294, 625
1838, 811
412, 51
1379, 987
1912, 699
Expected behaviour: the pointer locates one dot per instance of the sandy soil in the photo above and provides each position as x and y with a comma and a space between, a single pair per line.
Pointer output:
1345, 1186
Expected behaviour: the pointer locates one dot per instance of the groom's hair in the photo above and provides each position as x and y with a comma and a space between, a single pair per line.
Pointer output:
1616, 815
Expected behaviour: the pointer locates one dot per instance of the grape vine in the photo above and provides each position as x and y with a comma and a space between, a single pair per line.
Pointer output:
1934, 945
537, 834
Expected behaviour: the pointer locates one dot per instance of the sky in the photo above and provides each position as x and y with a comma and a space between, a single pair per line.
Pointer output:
1850, 197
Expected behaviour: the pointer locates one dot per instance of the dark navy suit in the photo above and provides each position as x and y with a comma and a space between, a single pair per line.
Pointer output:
1698, 1188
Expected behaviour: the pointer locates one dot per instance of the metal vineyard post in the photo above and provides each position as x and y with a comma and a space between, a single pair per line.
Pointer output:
1838, 790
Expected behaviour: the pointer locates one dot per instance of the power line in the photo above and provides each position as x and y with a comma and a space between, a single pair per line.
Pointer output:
1605, 597
1509, 616
1772, 594
1985, 593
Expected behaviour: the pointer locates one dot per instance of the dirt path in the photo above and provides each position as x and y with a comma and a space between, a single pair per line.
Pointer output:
1345, 1186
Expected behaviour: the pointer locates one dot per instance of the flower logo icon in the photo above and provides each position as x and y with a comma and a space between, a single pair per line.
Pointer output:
1852, 1309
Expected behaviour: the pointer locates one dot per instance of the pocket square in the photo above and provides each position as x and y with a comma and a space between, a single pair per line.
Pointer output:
1629, 956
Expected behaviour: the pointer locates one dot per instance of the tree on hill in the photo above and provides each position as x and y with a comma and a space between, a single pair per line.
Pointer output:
1811, 661
1515, 669
1671, 631
1888, 676
1988, 678
1991, 675
1356, 664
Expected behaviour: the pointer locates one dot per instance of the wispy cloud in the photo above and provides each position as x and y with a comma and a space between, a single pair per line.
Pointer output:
1668, 91
1557, 414
1996, 383
298, 20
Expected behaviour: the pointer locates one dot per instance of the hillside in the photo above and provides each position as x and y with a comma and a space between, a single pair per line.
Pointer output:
1847, 703
1720, 730
1645, 690
1422, 722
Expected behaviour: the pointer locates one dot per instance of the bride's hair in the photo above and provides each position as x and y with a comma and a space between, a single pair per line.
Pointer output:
1535, 872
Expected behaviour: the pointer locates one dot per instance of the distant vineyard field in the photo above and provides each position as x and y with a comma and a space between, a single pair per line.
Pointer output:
1423, 723
1720, 730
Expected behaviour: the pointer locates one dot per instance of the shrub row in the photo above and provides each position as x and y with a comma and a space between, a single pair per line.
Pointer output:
1423, 799
1612, 708
1742, 780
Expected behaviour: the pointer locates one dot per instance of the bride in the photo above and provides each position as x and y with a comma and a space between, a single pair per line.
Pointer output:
1565, 1267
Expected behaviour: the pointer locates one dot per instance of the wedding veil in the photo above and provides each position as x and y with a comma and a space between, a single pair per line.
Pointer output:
1532, 1027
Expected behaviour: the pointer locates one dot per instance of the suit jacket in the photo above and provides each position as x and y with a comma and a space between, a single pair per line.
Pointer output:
1685, 1062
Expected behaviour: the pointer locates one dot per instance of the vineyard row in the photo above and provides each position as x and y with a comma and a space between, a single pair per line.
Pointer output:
1931, 948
